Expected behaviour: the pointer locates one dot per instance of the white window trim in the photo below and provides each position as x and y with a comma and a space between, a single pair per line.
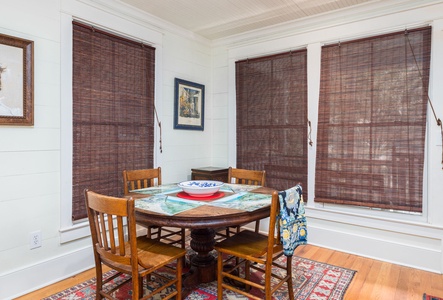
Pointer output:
70, 230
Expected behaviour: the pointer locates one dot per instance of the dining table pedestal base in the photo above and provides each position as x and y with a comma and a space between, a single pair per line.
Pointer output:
203, 264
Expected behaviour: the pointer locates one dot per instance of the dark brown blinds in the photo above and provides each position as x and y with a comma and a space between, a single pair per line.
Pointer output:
372, 121
113, 115
272, 117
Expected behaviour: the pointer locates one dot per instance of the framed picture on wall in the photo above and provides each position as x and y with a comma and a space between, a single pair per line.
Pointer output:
16, 81
189, 105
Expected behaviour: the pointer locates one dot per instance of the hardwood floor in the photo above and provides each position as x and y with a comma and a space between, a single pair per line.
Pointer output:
373, 280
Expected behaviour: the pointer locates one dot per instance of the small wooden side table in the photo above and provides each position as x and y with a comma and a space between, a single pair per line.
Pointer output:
210, 173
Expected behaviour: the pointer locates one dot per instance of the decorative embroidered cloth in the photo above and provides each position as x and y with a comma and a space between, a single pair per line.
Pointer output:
293, 229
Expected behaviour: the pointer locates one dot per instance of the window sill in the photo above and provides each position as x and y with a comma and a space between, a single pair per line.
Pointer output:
74, 232
376, 222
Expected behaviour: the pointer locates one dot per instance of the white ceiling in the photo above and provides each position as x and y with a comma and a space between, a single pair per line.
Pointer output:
215, 19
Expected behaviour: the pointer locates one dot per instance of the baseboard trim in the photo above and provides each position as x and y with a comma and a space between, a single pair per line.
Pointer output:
33, 277
23, 281
396, 251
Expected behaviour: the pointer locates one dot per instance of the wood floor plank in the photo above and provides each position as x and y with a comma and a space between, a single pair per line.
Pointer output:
386, 282
370, 281
362, 266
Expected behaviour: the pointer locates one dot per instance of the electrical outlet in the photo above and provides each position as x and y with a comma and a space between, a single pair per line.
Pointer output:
35, 239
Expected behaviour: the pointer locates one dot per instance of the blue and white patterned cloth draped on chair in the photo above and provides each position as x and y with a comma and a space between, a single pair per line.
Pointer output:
293, 230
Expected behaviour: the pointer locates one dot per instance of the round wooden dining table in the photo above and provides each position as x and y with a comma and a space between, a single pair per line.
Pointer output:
203, 221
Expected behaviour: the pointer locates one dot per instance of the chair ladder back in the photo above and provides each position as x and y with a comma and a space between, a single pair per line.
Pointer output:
243, 176
139, 179
109, 238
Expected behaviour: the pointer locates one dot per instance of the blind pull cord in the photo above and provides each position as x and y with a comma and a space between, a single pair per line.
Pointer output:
438, 120
309, 134
160, 128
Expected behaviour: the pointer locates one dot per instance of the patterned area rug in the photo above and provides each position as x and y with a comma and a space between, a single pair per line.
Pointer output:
312, 280
429, 297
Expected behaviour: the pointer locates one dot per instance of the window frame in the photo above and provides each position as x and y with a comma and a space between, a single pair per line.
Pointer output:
385, 212
70, 230
278, 122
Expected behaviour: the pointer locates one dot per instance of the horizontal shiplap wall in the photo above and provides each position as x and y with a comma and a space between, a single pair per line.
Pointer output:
185, 149
30, 155
35, 172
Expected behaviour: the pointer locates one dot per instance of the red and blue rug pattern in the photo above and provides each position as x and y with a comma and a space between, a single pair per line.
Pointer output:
429, 297
311, 279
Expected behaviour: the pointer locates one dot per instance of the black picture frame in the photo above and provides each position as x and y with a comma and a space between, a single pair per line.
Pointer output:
16, 81
189, 105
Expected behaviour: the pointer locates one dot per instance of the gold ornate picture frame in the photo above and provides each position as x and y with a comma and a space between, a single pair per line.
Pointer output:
16, 81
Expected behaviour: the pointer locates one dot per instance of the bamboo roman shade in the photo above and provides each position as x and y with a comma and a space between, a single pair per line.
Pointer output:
272, 117
113, 111
372, 121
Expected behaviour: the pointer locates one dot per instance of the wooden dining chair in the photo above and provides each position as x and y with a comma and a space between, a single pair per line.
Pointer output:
115, 244
242, 176
252, 250
144, 178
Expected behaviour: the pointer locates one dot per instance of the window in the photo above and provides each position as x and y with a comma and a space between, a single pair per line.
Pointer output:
113, 111
272, 117
372, 121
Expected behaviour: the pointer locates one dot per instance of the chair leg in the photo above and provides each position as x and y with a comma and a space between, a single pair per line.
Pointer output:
247, 273
183, 238
149, 233
289, 283
257, 226
99, 281
135, 286
268, 272
178, 273
140, 287
159, 233
219, 276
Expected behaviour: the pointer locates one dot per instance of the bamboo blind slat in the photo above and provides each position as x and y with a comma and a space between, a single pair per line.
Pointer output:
113, 111
272, 117
372, 121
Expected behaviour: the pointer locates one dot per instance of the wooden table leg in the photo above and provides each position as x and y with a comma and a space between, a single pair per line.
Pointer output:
203, 265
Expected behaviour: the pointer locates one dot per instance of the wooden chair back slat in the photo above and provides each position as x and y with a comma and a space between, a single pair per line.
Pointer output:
139, 179
243, 176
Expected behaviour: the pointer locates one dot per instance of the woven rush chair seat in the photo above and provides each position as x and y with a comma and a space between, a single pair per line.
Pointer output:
115, 244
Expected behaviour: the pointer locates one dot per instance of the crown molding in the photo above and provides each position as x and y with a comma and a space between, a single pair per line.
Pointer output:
345, 16
132, 14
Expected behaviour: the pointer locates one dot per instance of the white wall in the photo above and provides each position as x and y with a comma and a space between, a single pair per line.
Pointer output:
36, 161
411, 240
